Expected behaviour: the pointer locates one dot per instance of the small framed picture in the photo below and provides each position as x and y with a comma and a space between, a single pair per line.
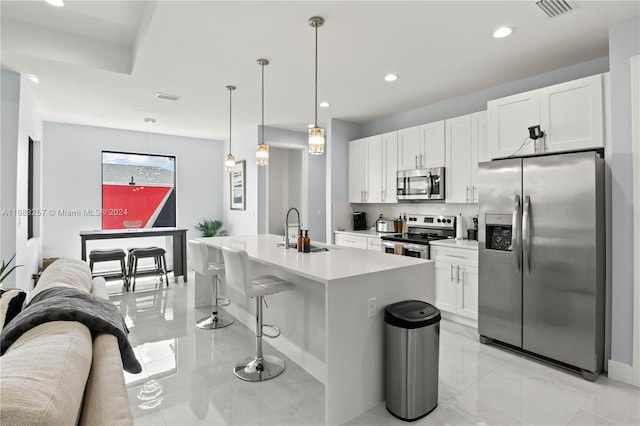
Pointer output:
237, 187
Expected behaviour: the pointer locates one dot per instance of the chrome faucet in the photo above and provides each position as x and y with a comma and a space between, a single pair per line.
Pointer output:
286, 226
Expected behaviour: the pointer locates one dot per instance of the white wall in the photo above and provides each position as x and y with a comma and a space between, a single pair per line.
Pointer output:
624, 42
72, 178
253, 219
20, 120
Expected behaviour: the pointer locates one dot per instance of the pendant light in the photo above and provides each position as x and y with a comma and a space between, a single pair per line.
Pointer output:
316, 134
230, 162
262, 153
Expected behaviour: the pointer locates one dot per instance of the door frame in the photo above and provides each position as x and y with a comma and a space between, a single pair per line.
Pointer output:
304, 208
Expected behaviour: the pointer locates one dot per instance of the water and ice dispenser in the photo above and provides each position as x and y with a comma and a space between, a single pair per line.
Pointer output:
499, 232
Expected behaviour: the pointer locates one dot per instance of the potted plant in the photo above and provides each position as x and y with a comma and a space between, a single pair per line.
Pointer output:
211, 228
6, 269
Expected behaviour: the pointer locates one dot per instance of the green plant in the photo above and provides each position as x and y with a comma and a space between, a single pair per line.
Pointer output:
211, 228
5, 271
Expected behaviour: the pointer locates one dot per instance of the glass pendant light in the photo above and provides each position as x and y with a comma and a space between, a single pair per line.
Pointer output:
262, 153
230, 162
316, 134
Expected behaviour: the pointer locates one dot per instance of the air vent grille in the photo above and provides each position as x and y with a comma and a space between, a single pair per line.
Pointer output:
555, 8
167, 96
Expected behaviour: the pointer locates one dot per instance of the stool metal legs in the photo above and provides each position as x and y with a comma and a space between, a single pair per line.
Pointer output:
261, 367
215, 321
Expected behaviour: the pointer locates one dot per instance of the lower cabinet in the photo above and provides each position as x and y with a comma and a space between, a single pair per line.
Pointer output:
358, 241
456, 280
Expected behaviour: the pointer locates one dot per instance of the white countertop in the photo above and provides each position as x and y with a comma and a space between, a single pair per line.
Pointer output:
466, 244
337, 263
371, 232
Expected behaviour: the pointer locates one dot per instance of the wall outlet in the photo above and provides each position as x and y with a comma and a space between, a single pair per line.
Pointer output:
371, 307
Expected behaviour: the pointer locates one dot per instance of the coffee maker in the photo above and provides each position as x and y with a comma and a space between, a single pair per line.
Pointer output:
359, 221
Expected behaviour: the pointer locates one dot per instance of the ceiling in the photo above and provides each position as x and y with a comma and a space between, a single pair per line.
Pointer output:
101, 63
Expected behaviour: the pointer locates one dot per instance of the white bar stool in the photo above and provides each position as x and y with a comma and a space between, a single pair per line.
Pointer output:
238, 273
202, 265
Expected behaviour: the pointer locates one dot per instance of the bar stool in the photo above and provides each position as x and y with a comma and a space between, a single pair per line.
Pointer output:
108, 256
158, 255
238, 273
200, 256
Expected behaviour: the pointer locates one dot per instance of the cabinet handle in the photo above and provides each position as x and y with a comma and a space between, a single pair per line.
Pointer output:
421, 162
459, 280
466, 193
473, 194
383, 195
417, 162
366, 195
451, 274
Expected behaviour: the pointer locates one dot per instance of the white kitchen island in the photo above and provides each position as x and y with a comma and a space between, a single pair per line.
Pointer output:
333, 322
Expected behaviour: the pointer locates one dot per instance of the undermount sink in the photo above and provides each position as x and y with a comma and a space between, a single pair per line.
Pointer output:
314, 249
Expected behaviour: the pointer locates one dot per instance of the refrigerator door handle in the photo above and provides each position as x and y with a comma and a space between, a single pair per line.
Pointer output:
515, 238
526, 232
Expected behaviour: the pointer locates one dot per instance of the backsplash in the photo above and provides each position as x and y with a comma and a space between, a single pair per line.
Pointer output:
342, 215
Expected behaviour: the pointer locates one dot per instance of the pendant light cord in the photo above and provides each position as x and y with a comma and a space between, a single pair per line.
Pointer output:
230, 90
316, 85
262, 128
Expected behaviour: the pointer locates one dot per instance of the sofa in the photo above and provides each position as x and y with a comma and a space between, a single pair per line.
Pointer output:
60, 372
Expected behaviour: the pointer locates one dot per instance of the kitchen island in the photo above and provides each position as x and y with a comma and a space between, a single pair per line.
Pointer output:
333, 322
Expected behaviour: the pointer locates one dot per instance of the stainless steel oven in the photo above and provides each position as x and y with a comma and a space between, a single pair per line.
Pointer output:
421, 230
420, 251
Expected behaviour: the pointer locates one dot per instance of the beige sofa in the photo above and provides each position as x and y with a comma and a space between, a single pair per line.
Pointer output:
56, 374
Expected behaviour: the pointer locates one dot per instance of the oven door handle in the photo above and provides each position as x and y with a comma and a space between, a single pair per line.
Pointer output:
415, 247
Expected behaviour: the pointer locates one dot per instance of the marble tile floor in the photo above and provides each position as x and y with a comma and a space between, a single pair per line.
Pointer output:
187, 377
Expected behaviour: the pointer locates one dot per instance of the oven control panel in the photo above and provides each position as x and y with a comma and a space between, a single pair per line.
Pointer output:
430, 221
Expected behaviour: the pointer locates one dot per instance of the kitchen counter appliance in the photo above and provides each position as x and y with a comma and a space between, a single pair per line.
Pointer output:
359, 221
541, 257
385, 224
421, 185
421, 230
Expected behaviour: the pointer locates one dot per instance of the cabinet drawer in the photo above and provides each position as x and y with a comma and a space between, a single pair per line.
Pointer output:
353, 241
374, 244
454, 255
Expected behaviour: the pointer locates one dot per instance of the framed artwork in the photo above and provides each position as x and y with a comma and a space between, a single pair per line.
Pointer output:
237, 187
138, 190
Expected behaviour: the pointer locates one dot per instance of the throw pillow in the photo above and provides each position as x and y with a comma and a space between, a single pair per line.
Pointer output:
11, 303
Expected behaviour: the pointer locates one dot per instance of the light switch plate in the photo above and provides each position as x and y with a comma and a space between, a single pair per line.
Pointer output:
371, 307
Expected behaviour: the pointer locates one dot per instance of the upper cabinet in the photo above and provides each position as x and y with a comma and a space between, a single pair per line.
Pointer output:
465, 135
570, 115
372, 169
421, 147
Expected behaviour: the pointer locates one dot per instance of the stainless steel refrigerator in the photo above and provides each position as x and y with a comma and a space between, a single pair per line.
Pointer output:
541, 257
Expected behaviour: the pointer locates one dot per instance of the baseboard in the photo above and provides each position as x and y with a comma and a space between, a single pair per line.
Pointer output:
459, 319
295, 353
620, 372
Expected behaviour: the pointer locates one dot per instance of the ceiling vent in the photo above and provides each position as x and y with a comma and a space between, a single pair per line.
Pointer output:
555, 8
167, 97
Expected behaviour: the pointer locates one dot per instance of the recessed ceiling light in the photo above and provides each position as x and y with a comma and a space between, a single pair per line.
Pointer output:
34, 78
325, 104
390, 77
502, 32
56, 3
149, 120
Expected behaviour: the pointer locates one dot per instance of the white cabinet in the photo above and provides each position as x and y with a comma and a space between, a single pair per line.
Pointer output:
357, 170
456, 280
570, 115
358, 241
349, 240
374, 244
464, 135
421, 147
389, 167
372, 169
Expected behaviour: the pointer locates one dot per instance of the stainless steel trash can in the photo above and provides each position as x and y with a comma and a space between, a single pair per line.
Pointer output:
412, 342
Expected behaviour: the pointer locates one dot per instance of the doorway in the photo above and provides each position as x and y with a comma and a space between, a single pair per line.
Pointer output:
286, 187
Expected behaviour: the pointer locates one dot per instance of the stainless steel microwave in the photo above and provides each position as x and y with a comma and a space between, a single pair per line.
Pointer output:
421, 185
